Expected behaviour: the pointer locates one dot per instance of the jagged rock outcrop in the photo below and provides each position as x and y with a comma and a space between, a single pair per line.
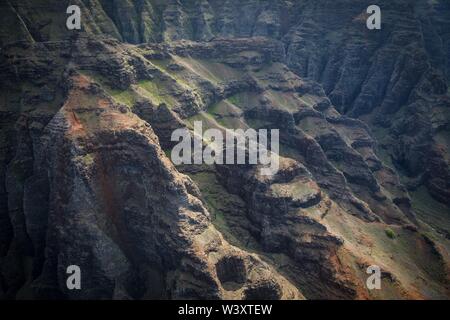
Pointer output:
86, 122
97, 178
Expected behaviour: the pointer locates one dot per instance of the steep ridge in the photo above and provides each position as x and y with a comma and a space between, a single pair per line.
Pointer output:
401, 70
86, 117
93, 195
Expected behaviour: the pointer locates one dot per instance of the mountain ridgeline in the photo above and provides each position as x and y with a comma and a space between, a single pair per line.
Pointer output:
87, 178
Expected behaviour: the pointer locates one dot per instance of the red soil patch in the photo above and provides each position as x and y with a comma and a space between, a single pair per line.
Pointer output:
74, 122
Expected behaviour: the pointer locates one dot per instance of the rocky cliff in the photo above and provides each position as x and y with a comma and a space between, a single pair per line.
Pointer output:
86, 178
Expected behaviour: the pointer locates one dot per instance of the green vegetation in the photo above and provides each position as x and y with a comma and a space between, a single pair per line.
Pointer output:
258, 124
297, 189
429, 210
87, 159
244, 100
127, 97
155, 91
160, 64
163, 64
282, 100
208, 121
214, 111
227, 210
235, 99
217, 199
390, 233
212, 71
308, 99
227, 115
168, 153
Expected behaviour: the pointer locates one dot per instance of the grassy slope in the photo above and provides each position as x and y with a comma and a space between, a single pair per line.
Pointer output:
402, 251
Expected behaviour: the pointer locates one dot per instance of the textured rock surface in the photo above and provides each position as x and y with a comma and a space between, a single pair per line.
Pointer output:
86, 118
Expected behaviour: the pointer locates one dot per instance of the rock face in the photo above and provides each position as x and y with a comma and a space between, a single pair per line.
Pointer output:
99, 179
86, 122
